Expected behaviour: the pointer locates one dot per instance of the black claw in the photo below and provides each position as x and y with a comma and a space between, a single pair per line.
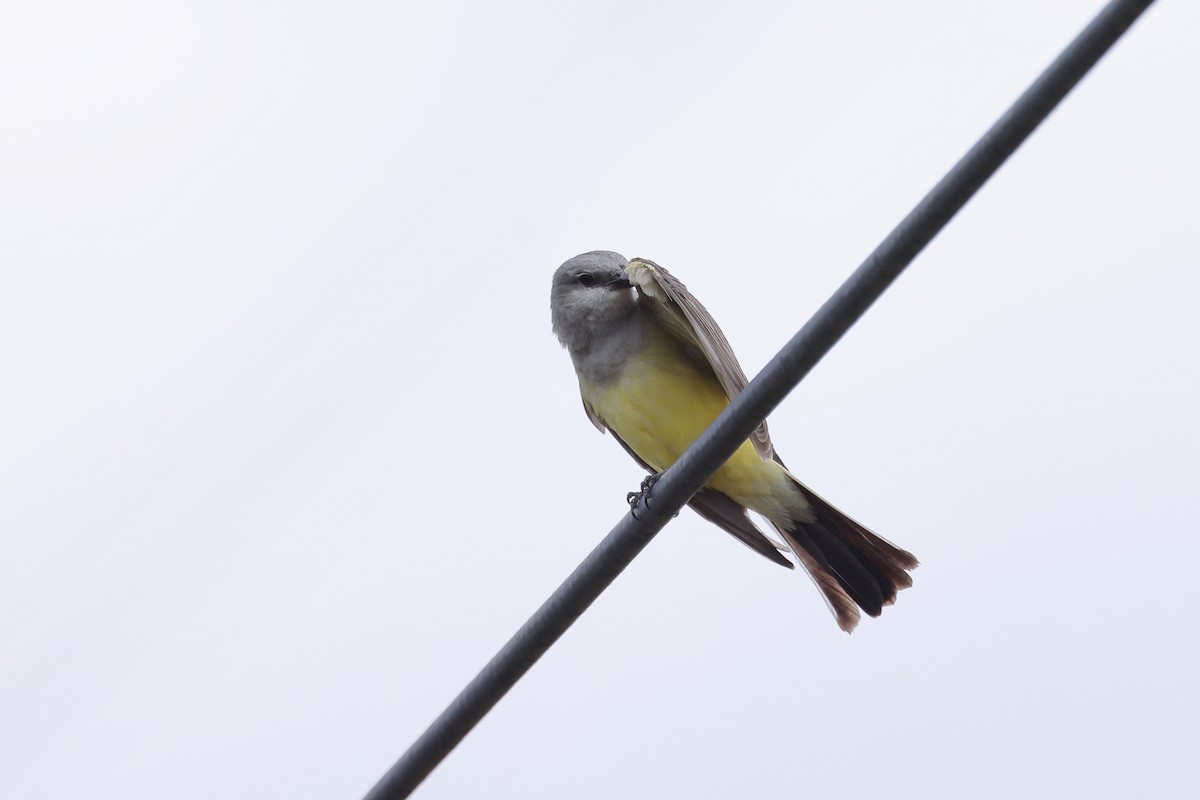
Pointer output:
633, 498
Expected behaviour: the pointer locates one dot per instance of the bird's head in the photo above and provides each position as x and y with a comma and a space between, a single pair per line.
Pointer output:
589, 293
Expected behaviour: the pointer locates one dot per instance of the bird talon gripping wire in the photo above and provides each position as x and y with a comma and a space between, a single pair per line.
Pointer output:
633, 498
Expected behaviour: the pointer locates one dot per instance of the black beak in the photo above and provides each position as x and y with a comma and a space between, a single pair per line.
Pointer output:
619, 283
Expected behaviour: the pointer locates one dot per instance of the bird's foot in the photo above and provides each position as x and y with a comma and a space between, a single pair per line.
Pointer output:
633, 498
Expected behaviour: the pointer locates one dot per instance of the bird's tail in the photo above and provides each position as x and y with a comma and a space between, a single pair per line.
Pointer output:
851, 566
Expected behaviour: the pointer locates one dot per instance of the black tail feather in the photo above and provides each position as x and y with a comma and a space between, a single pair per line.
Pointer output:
865, 585
851, 565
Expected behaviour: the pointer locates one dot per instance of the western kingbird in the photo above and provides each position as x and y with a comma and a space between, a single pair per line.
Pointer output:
655, 370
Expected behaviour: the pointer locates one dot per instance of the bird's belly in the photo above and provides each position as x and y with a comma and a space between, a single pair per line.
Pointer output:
658, 409
660, 406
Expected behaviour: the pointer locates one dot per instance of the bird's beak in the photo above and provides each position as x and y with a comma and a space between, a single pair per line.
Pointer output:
619, 283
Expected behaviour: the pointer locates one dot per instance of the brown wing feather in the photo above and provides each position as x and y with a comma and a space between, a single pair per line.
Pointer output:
592, 415
721, 510
685, 317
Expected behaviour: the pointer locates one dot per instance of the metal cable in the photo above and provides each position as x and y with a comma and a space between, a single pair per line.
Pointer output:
753, 404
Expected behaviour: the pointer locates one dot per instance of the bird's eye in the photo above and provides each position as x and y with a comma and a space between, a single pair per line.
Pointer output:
587, 279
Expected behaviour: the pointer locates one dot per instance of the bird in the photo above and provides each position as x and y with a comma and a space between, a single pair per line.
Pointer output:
654, 371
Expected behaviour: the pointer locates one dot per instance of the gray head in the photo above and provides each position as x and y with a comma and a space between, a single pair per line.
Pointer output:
590, 294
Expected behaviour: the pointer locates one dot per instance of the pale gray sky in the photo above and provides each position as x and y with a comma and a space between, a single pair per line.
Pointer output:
289, 449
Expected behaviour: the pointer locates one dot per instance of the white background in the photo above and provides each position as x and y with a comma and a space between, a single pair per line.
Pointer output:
288, 449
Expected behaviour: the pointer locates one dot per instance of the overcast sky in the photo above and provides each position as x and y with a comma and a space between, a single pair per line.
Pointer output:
288, 450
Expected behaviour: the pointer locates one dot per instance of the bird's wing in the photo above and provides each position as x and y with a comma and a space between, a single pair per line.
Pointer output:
600, 424
723, 511
683, 316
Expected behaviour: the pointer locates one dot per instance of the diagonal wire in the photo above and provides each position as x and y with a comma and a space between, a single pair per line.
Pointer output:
757, 400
